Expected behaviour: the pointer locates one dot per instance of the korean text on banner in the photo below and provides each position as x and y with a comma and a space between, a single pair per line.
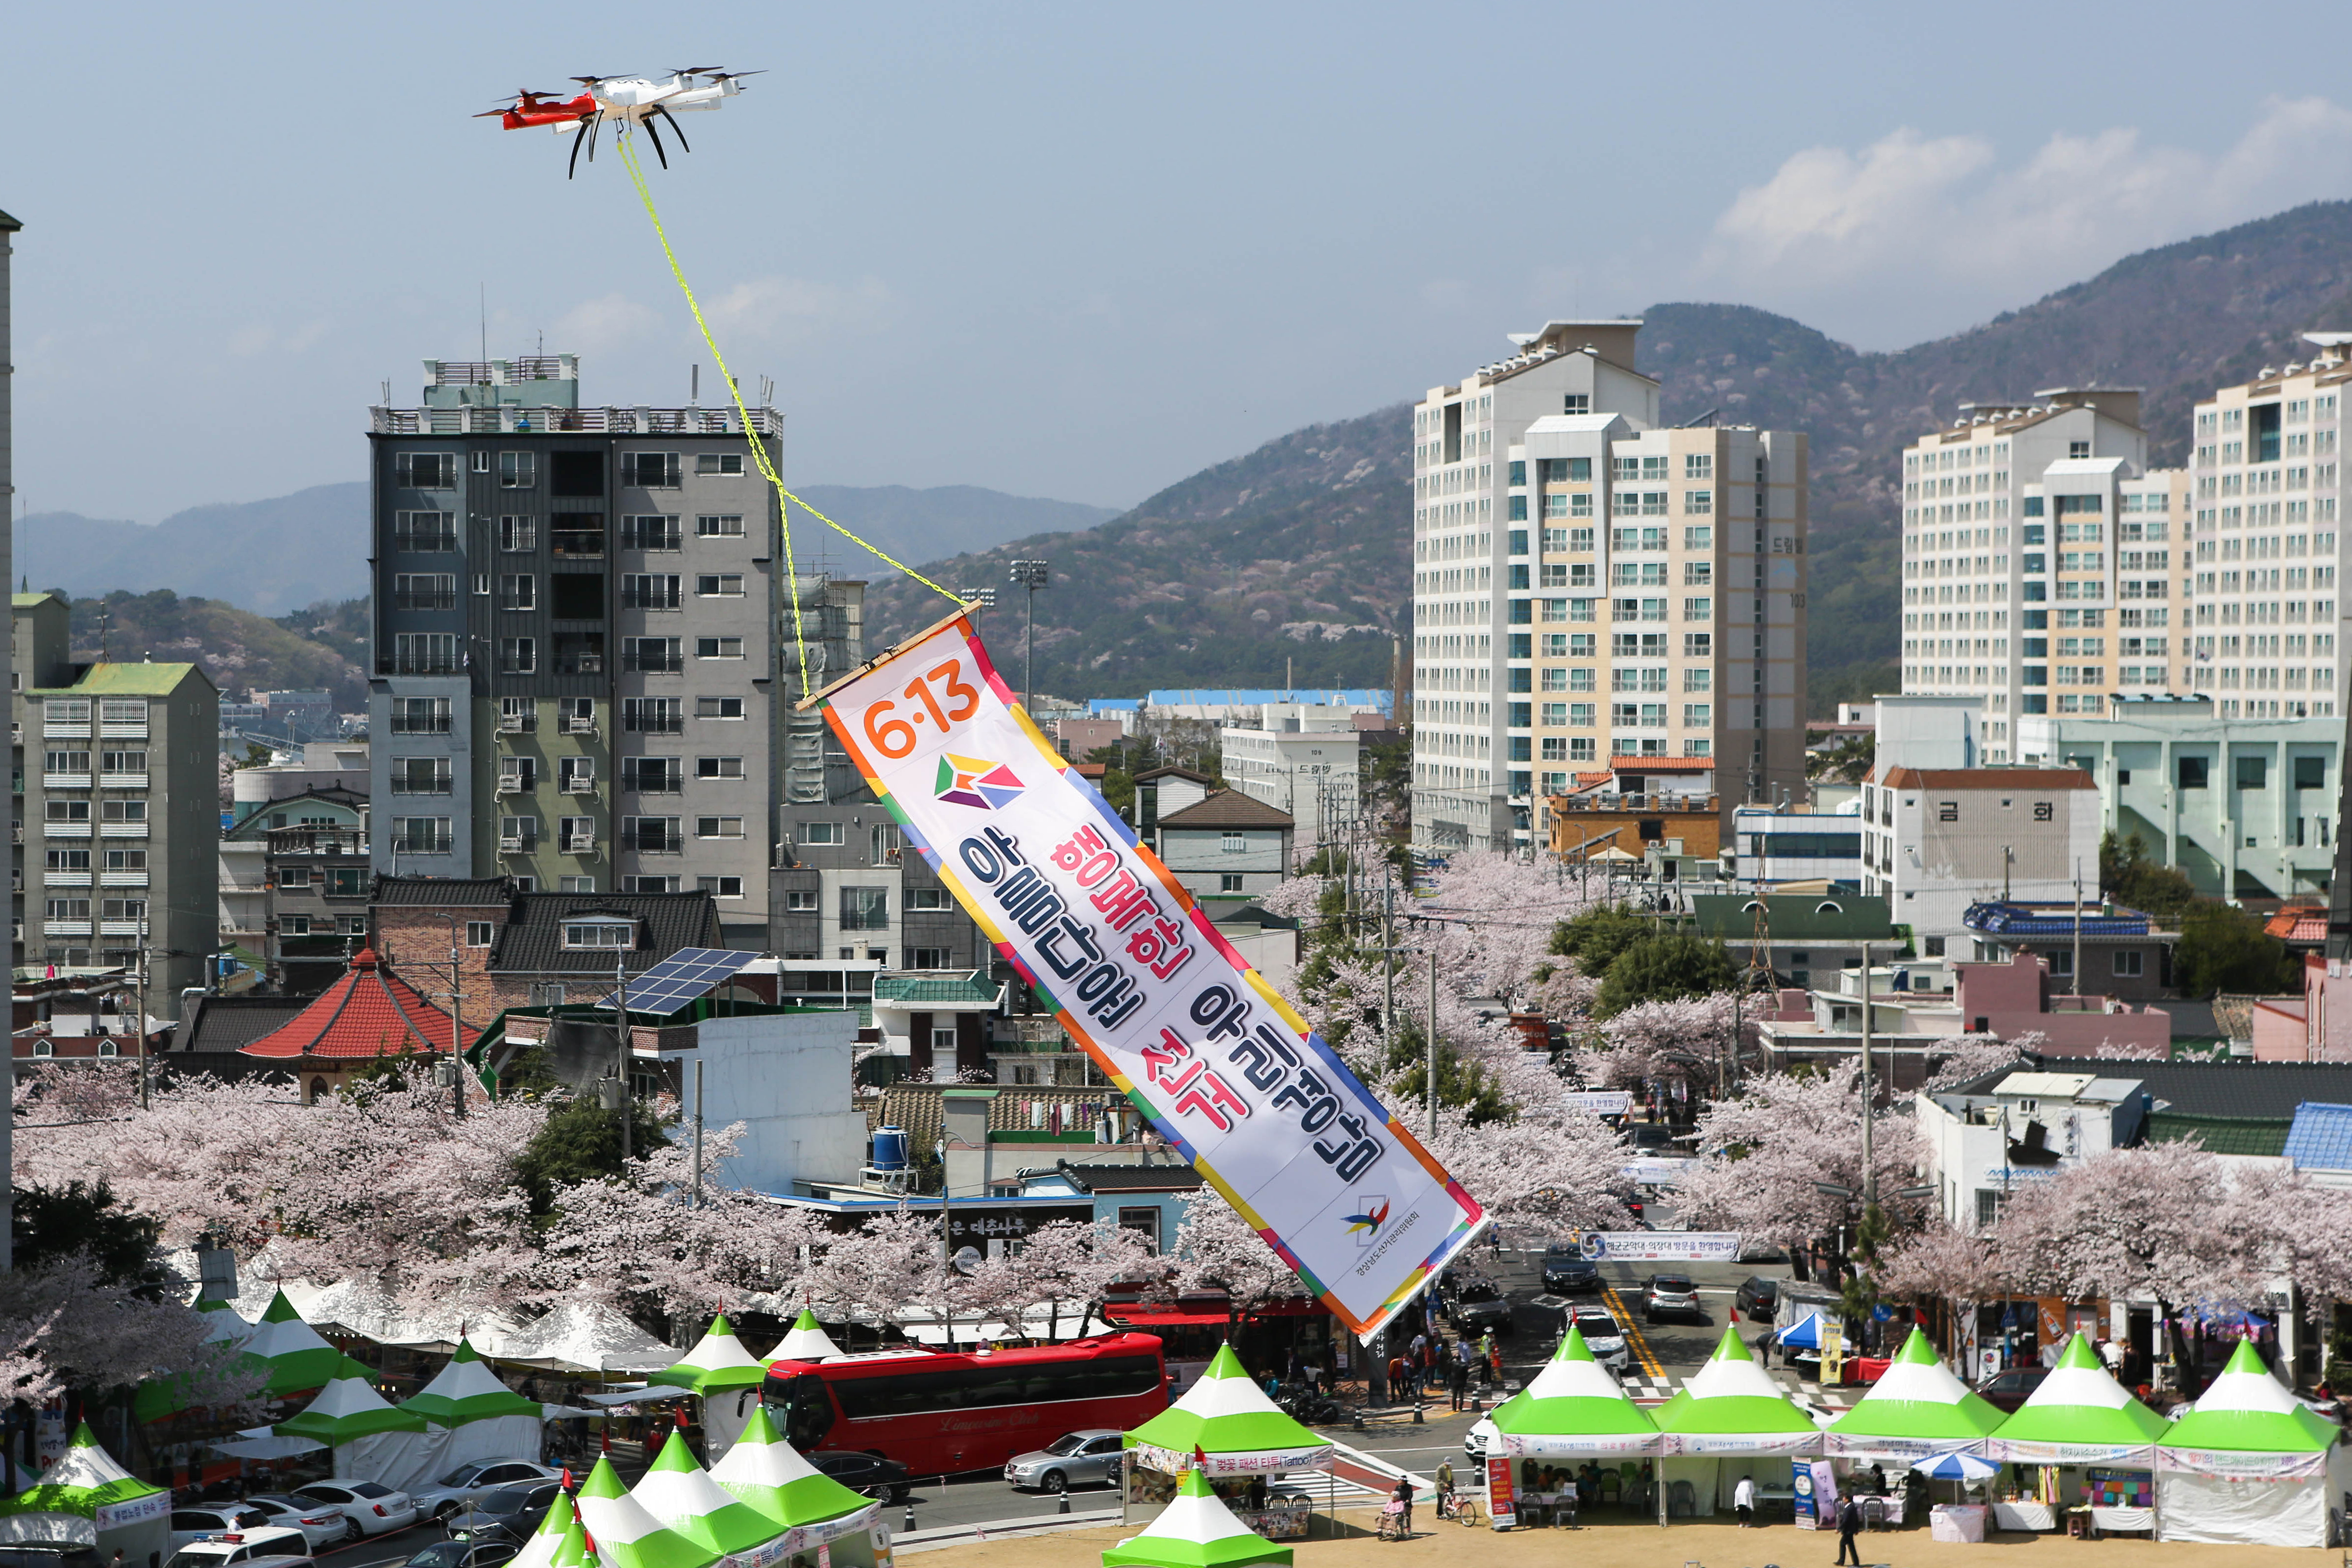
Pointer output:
1224, 1069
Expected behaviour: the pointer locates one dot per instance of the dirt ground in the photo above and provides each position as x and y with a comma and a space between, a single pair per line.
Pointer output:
1614, 1545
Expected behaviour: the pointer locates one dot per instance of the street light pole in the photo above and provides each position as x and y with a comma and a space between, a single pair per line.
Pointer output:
1032, 575
1869, 1172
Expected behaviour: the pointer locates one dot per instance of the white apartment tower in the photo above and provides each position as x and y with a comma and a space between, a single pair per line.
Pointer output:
2269, 478
2045, 567
1597, 597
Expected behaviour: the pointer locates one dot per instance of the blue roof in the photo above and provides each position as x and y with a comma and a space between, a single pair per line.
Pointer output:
1995, 918
2321, 1138
1236, 696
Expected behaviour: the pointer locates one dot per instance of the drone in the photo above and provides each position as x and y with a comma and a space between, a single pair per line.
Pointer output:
630, 101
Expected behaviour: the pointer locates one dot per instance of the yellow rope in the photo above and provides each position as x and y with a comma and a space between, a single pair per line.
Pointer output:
759, 448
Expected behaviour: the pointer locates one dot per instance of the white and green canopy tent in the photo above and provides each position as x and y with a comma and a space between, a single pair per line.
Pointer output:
372, 1440
162, 1396
1575, 1405
88, 1499
572, 1550
2250, 1465
480, 1416
727, 1379
809, 1506
626, 1534
1228, 1418
680, 1493
2080, 1416
297, 1356
1196, 1530
539, 1551
1730, 1420
806, 1341
1915, 1411
226, 1325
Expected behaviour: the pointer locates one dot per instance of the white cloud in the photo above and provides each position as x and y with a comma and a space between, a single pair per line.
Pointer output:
608, 322
777, 310
1911, 209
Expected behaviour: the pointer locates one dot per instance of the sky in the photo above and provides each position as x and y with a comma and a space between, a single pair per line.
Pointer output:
1074, 251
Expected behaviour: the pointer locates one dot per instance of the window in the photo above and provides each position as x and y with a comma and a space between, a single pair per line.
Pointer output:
718, 827
2078, 449
652, 715
575, 775
420, 836
652, 835
420, 715
518, 775
649, 533
720, 586
294, 876
650, 470
517, 470
1230, 882
518, 591
70, 860
927, 898
652, 775
652, 655
824, 833
424, 532
478, 933
720, 887
518, 834
425, 591
1698, 503
66, 763
66, 811
728, 526
719, 707
802, 901
2062, 962
2127, 963
2191, 771
420, 775
518, 533
719, 767
649, 591
547, 992
719, 647
600, 933
866, 908
518, 656
577, 835
929, 957
425, 653
517, 715
1233, 844
2253, 773
725, 465
576, 884
425, 470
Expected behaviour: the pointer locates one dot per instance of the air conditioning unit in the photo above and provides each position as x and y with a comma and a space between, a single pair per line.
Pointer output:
510, 725
511, 846
577, 784
581, 844
15, 930
576, 725
511, 784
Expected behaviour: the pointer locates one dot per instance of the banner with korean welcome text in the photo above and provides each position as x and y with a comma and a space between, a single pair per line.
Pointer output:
1224, 1069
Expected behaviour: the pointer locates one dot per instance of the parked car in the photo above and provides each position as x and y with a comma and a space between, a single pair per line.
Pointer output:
1646, 1135
867, 1473
1603, 1336
509, 1514
1482, 1431
1755, 1298
464, 1555
370, 1508
2007, 1390
321, 1525
1566, 1268
200, 1520
469, 1484
1670, 1296
245, 1548
1478, 1305
48, 1554
1075, 1458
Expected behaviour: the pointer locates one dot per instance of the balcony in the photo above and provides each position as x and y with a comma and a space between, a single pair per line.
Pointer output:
577, 785
65, 928
655, 843
580, 844
517, 844
122, 830
511, 723
429, 724
122, 781
113, 731
124, 880
66, 730
122, 928
62, 879
577, 543
578, 724
63, 830
515, 783
65, 781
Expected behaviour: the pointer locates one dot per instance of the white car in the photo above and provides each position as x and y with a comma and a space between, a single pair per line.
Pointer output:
196, 1520
242, 1547
469, 1484
1603, 1336
321, 1525
1481, 1435
369, 1508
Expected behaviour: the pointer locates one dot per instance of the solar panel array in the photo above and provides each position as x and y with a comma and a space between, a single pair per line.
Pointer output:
684, 975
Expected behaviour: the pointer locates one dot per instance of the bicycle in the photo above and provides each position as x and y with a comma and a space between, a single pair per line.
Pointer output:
1468, 1513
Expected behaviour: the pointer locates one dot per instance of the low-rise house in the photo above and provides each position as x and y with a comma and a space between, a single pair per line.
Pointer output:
1806, 933
1228, 849
369, 1015
2124, 954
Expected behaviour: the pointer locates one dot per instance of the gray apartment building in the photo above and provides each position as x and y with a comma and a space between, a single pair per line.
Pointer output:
575, 641
117, 819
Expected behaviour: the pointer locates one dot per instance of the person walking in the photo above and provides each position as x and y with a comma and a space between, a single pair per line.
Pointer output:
1743, 1500
1402, 1496
1461, 1384
1849, 1525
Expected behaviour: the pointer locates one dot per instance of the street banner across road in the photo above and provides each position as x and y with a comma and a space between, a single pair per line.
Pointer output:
1661, 1245
1224, 1069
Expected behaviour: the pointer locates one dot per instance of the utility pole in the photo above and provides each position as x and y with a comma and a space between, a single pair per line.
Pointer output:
2078, 926
1869, 1172
1387, 962
456, 1022
140, 1023
694, 1193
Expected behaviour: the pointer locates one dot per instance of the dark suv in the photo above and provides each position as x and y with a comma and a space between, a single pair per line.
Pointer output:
1756, 1296
2009, 1390
1566, 1268
1478, 1304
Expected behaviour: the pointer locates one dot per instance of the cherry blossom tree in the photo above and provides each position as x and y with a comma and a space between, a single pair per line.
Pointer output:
1218, 1251
1068, 1262
1762, 1155
1547, 1171
1958, 1058
63, 1327
1688, 1036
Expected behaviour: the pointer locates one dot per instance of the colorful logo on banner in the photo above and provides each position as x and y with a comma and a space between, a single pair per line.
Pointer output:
977, 782
1365, 1225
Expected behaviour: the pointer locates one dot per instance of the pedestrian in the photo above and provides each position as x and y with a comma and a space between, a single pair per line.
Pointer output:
1461, 1384
1404, 1498
1743, 1500
1849, 1525
1445, 1489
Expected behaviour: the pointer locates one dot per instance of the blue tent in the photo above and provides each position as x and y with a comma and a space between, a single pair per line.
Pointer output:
1805, 1333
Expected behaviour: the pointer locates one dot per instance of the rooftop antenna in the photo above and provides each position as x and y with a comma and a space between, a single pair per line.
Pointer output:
482, 304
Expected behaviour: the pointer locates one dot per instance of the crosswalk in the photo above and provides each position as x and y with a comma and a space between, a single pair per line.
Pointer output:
1663, 1385
1326, 1488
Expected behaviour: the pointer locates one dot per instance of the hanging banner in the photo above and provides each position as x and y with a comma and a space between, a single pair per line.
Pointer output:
1224, 1068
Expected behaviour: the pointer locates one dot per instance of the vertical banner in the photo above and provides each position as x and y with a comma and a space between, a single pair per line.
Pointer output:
1224, 1069
1502, 1502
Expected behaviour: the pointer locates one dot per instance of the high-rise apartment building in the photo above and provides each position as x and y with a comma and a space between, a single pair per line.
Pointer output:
2046, 567
2269, 476
575, 641
1597, 597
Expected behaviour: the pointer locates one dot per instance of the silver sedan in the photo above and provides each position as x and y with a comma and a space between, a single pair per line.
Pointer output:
1075, 1458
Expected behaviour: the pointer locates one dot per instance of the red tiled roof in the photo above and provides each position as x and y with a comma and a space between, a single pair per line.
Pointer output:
2308, 926
369, 1012
1663, 765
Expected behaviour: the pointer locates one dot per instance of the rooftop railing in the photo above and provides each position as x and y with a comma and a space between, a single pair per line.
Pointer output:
508, 420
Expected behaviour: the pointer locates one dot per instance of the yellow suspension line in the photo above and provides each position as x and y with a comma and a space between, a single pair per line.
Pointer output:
759, 448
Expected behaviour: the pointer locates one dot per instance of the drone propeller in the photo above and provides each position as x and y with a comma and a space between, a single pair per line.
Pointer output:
695, 70
732, 76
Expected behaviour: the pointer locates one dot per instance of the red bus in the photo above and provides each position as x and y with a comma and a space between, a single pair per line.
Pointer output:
939, 1413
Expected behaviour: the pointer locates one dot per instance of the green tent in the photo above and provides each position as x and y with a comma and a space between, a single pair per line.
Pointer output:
1196, 1530
681, 1494
540, 1550
466, 1391
2247, 1410
626, 1536
346, 1409
768, 1473
2250, 1465
158, 1397
1229, 1418
718, 1363
572, 1550
297, 1356
87, 1498
1915, 1410
2080, 1416
1733, 1406
1574, 1405
806, 1342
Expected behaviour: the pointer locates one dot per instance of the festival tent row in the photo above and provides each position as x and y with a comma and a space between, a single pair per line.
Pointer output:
1730, 1420
764, 1504
1575, 1406
2250, 1464
725, 1376
1917, 1410
88, 1499
1228, 1418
